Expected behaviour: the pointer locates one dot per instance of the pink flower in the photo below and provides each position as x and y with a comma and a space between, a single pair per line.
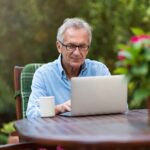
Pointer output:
139, 38
121, 55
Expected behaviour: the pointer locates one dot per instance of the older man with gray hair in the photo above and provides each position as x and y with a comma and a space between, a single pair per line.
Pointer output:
74, 38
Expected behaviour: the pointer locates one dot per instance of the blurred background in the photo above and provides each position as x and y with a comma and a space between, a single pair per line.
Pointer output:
28, 34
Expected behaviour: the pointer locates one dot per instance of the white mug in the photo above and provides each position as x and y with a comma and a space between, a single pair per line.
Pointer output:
47, 106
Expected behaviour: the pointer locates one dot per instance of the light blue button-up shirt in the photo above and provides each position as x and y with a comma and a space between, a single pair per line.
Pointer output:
51, 80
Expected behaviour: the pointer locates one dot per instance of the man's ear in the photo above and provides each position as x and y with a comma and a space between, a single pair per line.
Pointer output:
58, 45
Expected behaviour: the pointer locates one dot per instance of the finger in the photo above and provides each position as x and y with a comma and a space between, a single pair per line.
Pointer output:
66, 108
68, 103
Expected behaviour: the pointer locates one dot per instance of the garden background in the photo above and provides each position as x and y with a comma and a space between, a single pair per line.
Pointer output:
28, 34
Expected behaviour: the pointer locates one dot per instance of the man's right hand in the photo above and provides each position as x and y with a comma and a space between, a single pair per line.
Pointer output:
63, 107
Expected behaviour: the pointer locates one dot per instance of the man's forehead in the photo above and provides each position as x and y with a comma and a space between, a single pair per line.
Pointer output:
76, 34
73, 30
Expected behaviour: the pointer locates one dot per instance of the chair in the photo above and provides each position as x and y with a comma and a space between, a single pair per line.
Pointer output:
22, 85
17, 73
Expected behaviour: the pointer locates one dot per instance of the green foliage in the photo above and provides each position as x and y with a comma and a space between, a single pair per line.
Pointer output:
5, 131
8, 128
134, 61
3, 138
111, 22
27, 34
7, 106
137, 31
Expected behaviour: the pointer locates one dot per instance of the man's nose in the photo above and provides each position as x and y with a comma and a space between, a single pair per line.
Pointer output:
77, 50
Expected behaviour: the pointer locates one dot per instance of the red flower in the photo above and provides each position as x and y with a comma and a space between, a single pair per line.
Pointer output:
121, 55
139, 38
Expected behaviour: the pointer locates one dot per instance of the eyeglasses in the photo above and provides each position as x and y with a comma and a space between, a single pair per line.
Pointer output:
72, 47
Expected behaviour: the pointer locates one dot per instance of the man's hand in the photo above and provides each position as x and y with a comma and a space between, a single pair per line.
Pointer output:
63, 107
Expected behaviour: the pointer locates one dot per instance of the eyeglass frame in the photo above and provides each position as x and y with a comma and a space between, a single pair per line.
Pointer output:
81, 49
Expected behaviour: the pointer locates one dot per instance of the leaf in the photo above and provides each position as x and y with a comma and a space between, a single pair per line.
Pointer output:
121, 46
135, 104
120, 70
147, 56
140, 70
137, 31
8, 128
3, 138
141, 94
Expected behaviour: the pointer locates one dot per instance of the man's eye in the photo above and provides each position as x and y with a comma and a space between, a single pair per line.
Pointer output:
83, 46
71, 46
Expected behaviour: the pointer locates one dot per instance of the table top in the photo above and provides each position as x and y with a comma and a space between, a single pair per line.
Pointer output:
130, 128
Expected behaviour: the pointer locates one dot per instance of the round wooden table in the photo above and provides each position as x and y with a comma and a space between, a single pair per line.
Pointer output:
130, 130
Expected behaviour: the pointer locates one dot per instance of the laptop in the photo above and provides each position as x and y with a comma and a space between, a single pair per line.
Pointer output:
98, 95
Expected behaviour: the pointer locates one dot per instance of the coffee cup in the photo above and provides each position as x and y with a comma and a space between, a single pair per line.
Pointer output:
47, 106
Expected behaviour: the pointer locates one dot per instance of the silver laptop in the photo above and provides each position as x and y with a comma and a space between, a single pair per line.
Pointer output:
98, 95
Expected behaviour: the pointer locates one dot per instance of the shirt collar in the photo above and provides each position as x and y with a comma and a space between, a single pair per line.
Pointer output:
84, 66
61, 70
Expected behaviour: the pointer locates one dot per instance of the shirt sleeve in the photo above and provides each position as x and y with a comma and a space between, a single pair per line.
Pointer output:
37, 90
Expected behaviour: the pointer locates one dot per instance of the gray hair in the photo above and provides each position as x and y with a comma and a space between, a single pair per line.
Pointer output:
75, 23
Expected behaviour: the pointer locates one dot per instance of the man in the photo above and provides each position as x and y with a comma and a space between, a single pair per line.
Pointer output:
53, 79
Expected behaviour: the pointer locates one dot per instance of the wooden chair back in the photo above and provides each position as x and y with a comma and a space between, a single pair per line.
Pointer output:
17, 73
22, 84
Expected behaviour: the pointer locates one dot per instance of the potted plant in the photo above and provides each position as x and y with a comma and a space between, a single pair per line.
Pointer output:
134, 62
